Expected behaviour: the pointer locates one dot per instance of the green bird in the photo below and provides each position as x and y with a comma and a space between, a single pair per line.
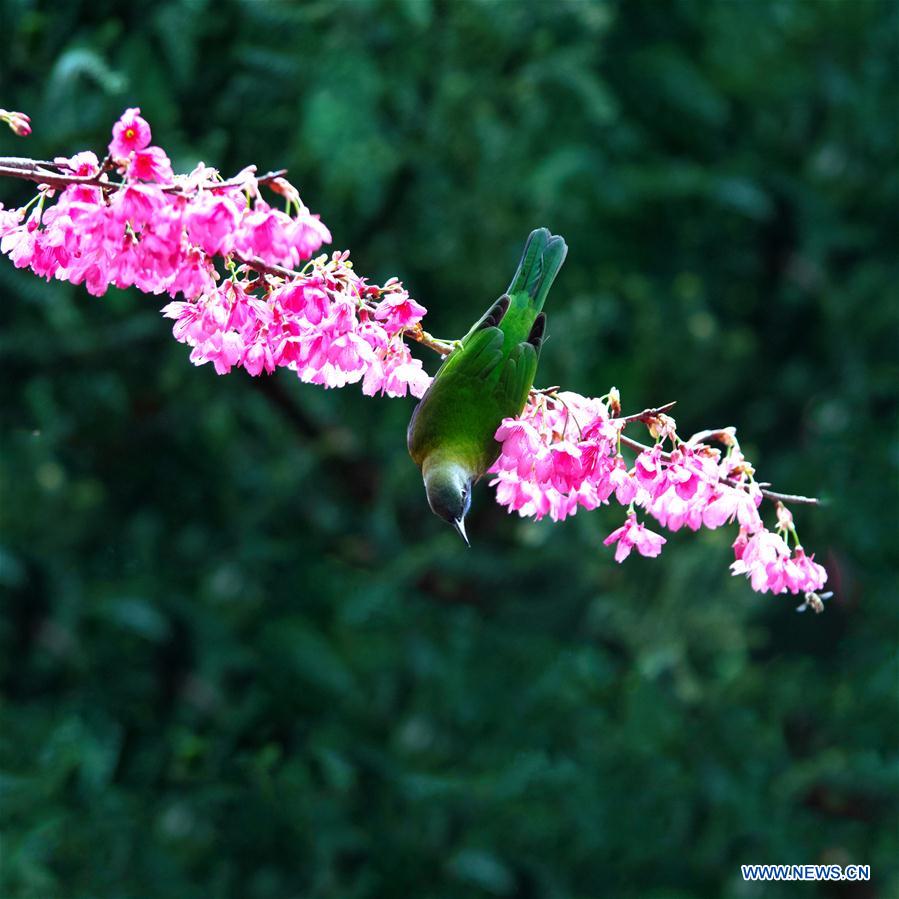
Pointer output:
486, 378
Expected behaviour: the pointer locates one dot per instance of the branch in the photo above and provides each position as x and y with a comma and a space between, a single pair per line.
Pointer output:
37, 170
57, 175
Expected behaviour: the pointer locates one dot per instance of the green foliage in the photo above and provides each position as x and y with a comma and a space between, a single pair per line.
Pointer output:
239, 657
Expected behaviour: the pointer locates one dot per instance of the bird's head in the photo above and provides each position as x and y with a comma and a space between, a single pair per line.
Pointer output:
448, 486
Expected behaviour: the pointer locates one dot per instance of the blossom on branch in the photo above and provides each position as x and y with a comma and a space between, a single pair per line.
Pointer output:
563, 453
633, 533
250, 289
230, 256
129, 134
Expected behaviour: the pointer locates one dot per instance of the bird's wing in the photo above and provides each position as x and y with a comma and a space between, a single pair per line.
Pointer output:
457, 392
517, 378
478, 357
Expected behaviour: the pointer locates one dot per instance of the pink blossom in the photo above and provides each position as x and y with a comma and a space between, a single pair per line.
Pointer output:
566, 469
812, 576
673, 511
728, 503
399, 311
130, 133
521, 443
623, 481
528, 499
137, 204
560, 450
332, 328
685, 472
211, 221
326, 324
649, 470
305, 236
84, 164
263, 233
151, 164
763, 549
258, 357
9, 219
633, 533
395, 372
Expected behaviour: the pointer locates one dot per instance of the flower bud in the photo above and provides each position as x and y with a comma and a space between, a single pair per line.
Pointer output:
614, 402
784, 517
18, 122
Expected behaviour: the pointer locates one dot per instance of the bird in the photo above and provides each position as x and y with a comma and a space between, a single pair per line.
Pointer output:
485, 378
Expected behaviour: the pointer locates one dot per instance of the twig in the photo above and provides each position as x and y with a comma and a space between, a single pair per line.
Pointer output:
444, 347
792, 498
648, 415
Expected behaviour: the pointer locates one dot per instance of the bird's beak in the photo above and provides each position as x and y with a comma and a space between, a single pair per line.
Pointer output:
459, 525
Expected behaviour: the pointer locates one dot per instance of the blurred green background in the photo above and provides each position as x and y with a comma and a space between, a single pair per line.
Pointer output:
240, 659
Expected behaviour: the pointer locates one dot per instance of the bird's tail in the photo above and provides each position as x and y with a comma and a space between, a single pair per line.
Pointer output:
543, 256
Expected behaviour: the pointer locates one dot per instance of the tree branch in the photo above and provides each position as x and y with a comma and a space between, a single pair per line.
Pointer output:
42, 172
38, 171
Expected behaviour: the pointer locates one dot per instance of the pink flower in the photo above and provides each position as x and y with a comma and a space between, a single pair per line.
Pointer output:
812, 576
137, 204
264, 233
211, 222
224, 350
763, 549
633, 533
83, 164
377, 338
685, 472
521, 444
566, 469
306, 235
259, 357
650, 470
623, 482
351, 354
528, 499
399, 311
395, 372
151, 165
730, 502
672, 511
305, 299
9, 219
130, 133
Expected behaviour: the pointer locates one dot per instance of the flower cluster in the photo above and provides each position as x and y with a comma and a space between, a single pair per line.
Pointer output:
564, 452
228, 253
327, 325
